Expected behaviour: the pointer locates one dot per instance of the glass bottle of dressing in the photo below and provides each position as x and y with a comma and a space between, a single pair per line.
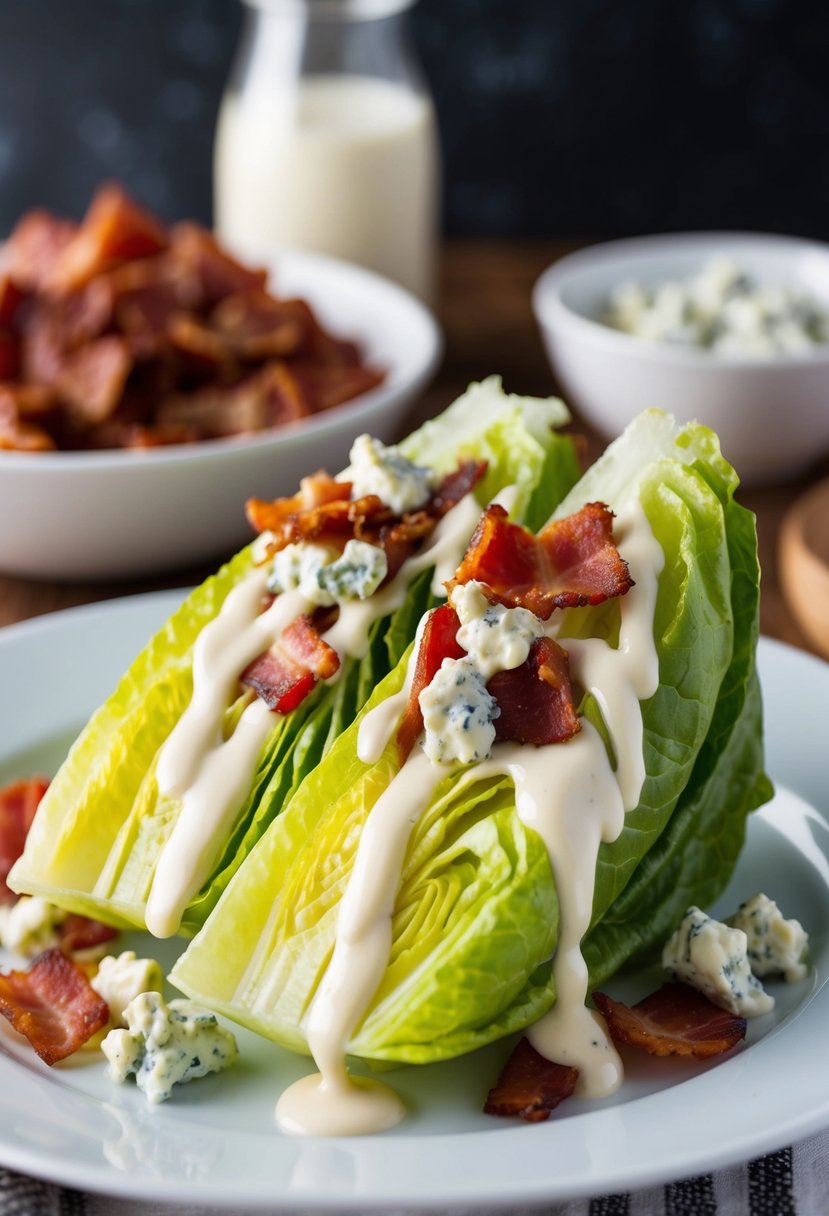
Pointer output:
327, 140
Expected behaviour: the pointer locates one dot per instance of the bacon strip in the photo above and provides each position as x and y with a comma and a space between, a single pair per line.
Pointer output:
53, 1005
113, 229
284, 675
529, 1086
318, 490
535, 699
572, 562
437, 642
675, 1020
18, 803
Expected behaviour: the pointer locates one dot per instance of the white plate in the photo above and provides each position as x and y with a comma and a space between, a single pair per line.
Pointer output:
214, 1143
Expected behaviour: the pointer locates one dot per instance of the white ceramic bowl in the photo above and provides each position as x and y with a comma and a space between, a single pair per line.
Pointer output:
113, 514
772, 415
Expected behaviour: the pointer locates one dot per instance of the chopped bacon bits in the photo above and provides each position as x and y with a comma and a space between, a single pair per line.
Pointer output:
284, 675
572, 562
529, 1086
53, 1005
675, 1020
146, 335
535, 700
18, 803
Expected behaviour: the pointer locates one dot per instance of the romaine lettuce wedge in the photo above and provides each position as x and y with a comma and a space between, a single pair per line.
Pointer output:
100, 830
476, 916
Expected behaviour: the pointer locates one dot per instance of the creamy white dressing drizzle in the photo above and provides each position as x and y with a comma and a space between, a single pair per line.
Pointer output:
568, 793
211, 775
331, 1100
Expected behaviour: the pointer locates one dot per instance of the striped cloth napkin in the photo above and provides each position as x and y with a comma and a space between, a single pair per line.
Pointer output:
791, 1182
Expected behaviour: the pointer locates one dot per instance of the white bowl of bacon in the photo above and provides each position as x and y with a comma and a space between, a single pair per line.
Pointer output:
150, 384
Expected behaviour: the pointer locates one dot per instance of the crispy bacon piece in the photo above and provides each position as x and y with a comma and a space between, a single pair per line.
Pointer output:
35, 245
535, 700
114, 229
318, 490
92, 378
333, 519
529, 1086
256, 326
317, 346
53, 1005
9, 356
284, 675
82, 933
322, 387
571, 563
18, 803
25, 437
88, 310
438, 642
11, 297
455, 486
675, 1020
199, 255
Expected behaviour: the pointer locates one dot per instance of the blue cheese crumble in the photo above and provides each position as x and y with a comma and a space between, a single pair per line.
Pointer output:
376, 469
298, 566
497, 638
776, 946
355, 575
121, 978
325, 578
458, 714
458, 711
721, 309
30, 926
166, 1045
713, 958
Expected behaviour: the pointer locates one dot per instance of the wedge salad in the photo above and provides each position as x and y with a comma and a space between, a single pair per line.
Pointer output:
455, 738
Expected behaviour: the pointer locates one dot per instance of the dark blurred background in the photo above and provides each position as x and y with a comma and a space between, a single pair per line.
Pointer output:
558, 117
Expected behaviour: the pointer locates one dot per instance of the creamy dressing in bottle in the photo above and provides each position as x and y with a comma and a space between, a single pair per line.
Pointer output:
344, 165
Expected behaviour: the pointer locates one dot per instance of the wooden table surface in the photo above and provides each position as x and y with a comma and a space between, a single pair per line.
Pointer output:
488, 326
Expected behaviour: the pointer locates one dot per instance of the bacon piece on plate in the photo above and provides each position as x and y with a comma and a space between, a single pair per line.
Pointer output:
529, 1086
53, 1005
18, 803
438, 642
571, 563
455, 486
535, 699
284, 675
82, 933
318, 490
675, 1020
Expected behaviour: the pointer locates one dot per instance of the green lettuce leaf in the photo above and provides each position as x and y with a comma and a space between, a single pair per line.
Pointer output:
475, 920
100, 829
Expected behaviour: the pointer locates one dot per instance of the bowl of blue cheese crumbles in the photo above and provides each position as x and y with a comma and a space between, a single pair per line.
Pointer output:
729, 329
